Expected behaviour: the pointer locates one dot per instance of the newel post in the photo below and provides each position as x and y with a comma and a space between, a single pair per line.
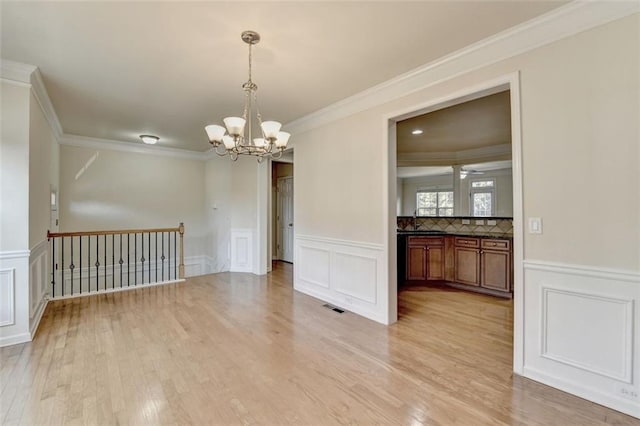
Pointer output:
181, 266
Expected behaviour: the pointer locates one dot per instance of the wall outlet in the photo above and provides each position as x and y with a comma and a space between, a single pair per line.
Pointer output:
480, 222
466, 222
628, 392
492, 222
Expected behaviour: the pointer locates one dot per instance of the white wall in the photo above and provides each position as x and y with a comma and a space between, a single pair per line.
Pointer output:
124, 190
580, 108
217, 183
14, 167
14, 212
43, 173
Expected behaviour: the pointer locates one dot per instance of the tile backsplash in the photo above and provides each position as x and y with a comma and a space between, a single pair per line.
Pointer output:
454, 225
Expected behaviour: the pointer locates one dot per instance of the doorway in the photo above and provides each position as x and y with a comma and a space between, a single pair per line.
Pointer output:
282, 223
507, 82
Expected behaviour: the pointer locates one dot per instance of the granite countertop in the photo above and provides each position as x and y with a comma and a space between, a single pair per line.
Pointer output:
455, 234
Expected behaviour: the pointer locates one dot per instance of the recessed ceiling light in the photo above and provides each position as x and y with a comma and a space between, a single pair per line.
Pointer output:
416, 132
149, 139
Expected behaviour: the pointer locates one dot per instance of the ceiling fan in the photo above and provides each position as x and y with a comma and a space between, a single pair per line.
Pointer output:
464, 173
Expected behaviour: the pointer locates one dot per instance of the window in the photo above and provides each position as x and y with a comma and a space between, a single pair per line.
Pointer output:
434, 203
482, 197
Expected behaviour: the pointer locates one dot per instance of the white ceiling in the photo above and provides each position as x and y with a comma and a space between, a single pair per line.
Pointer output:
474, 124
117, 70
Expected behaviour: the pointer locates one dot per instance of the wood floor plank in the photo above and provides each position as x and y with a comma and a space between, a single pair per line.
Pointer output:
235, 348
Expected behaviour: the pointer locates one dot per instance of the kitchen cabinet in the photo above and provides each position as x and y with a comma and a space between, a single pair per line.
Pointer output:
425, 258
483, 262
467, 261
496, 264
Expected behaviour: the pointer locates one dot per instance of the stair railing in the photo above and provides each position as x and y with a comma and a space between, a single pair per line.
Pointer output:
91, 262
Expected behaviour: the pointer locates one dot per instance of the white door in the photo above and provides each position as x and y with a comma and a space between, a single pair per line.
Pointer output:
285, 219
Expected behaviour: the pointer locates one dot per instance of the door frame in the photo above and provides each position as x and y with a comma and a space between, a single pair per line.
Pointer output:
511, 82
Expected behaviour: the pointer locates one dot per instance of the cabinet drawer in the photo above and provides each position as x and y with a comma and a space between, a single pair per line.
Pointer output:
429, 241
467, 242
495, 244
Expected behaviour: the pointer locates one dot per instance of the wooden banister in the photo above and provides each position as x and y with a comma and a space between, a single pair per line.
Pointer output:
121, 231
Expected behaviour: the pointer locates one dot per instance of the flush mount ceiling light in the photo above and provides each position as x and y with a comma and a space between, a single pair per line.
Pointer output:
416, 132
236, 139
149, 139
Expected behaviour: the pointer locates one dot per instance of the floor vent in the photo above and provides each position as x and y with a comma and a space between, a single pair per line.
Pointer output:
333, 308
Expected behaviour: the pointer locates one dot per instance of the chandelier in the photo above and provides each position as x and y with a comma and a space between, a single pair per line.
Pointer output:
235, 138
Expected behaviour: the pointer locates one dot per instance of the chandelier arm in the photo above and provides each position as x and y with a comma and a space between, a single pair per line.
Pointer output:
277, 155
221, 154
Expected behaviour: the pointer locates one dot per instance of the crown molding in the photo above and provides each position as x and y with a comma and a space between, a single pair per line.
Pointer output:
113, 145
565, 21
42, 96
488, 153
16, 71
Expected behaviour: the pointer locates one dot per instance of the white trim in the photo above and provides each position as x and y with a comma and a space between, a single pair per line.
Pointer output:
15, 339
349, 243
555, 25
39, 90
16, 71
14, 254
118, 289
113, 145
585, 271
36, 321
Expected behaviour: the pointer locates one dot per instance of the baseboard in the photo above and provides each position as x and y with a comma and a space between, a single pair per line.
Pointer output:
619, 404
119, 289
15, 340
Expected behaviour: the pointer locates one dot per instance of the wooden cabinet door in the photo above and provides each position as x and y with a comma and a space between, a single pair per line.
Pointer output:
467, 265
416, 262
496, 270
435, 263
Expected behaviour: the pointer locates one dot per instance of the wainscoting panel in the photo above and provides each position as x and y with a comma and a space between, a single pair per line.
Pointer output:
14, 297
313, 266
582, 332
241, 250
7, 297
39, 279
348, 274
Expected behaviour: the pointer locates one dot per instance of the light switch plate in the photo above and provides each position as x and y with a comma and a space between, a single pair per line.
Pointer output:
535, 225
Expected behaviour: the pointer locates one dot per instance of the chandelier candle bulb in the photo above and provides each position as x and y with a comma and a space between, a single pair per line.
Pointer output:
228, 142
235, 125
283, 138
215, 132
231, 139
271, 129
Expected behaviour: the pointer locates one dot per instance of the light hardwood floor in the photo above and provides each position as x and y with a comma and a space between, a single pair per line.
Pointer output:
240, 349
